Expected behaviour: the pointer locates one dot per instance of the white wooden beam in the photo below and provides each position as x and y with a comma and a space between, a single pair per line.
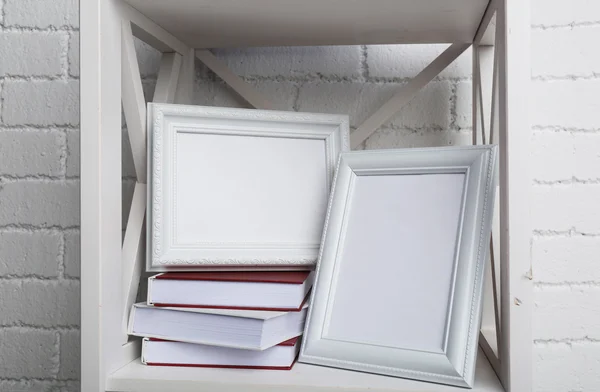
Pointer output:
246, 91
495, 95
151, 33
134, 105
482, 69
168, 76
485, 55
486, 31
100, 114
186, 80
478, 133
487, 342
495, 264
406, 93
132, 255
489, 59
513, 27
488, 319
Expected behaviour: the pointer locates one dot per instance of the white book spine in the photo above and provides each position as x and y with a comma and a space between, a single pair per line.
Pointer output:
144, 343
131, 318
150, 283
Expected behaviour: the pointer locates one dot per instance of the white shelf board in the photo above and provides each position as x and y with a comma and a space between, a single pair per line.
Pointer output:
234, 23
136, 377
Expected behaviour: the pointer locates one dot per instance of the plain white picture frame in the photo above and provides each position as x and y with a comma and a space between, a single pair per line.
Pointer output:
238, 188
398, 287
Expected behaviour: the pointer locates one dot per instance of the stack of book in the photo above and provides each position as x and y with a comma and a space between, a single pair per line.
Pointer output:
248, 320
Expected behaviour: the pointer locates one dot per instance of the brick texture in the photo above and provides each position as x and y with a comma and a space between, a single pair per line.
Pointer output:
393, 62
40, 303
73, 54
559, 259
566, 103
567, 313
43, 103
39, 168
72, 253
31, 354
575, 46
567, 366
41, 14
565, 202
69, 355
565, 167
29, 254
40, 203
30, 54
334, 62
553, 13
31, 152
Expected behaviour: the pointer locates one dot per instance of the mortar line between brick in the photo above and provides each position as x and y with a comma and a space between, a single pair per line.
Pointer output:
33, 327
37, 78
6, 178
25, 227
453, 103
559, 128
296, 99
1, 102
311, 77
565, 25
2, 14
563, 233
33, 229
56, 357
364, 65
64, 154
568, 77
61, 257
49, 381
31, 29
568, 285
36, 127
33, 278
64, 55
566, 341
565, 182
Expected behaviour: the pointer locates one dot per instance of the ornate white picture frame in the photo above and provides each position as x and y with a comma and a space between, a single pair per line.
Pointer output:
238, 188
398, 287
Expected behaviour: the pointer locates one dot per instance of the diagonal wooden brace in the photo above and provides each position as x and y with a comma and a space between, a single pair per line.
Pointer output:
133, 252
406, 93
246, 91
134, 105
134, 249
168, 76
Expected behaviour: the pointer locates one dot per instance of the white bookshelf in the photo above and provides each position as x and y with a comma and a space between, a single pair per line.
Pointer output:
137, 377
498, 31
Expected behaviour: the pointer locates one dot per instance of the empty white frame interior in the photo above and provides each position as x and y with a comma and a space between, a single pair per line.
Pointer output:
399, 279
239, 187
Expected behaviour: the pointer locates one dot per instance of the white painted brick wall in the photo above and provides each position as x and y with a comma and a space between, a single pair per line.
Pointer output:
566, 171
39, 344
390, 62
24, 53
39, 195
343, 62
41, 103
39, 169
41, 14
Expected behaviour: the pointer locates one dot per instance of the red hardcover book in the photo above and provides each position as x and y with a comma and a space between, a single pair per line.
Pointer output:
157, 352
245, 290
